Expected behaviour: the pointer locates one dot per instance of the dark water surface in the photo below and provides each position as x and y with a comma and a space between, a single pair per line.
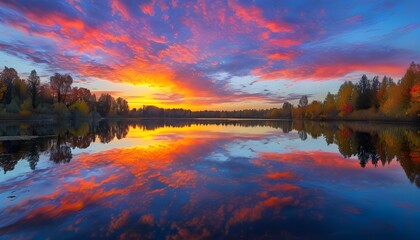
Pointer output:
202, 179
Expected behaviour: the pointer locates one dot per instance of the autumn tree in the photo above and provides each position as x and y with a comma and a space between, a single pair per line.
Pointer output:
3, 89
34, 85
78, 94
45, 94
394, 101
414, 109
346, 98
313, 110
329, 106
61, 85
411, 78
381, 93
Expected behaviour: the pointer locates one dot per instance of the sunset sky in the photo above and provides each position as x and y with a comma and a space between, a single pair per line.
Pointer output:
210, 54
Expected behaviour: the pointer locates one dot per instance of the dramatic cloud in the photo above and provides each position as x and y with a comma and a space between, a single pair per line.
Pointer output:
177, 47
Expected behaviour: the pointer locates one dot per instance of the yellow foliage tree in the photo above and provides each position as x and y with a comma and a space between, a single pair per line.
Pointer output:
81, 107
329, 106
394, 100
314, 110
346, 98
3, 89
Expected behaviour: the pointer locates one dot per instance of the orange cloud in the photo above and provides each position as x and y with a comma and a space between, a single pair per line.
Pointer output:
335, 160
324, 72
255, 14
251, 214
283, 42
281, 175
118, 7
181, 54
148, 7
286, 56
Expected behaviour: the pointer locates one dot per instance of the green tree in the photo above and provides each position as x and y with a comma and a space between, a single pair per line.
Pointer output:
6, 78
365, 92
374, 92
20, 90
34, 85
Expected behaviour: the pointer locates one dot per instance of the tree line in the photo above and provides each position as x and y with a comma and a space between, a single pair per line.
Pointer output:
368, 99
27, 97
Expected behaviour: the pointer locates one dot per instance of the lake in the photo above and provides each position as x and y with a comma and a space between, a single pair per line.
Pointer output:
210, 179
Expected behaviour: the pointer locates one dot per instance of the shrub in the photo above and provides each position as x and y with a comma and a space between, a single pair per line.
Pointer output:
62, 110
13, 107
80, 108
45, 108
414, 110
26, 105
25, 113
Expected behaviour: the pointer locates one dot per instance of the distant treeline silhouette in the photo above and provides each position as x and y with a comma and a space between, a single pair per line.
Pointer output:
368, 99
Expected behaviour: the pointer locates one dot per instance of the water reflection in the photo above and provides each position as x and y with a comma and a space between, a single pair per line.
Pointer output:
370, 143
200, 179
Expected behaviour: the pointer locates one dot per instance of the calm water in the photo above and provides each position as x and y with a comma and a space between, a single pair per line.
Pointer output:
209, 179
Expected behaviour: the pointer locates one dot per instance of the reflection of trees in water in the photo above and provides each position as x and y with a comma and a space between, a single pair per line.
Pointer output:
33, 155
107, 132
365, 149
377, 144
60, 152
57, 141
13, 151
302, 135
152, 124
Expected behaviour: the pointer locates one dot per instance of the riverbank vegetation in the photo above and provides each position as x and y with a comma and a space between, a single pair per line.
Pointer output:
57, 99
368, 99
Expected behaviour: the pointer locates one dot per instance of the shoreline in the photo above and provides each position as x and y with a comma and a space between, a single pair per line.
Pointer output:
55, 120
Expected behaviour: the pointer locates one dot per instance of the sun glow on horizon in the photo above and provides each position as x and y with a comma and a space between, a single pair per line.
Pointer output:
202, 55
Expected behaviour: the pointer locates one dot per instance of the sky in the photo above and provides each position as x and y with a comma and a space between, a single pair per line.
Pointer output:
216, 54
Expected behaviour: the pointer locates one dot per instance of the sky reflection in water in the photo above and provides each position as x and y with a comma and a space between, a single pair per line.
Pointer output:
215, 181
